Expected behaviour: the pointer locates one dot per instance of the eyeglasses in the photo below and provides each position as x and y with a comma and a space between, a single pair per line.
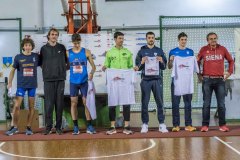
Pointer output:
212, 38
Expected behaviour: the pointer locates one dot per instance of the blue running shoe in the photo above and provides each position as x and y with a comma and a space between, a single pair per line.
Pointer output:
90, 129
13, 130
29, 131
75, 130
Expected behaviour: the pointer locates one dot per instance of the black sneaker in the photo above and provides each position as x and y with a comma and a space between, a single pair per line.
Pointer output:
47, 131
59, 131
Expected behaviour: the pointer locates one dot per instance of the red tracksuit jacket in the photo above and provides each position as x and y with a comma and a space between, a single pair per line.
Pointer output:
213, 60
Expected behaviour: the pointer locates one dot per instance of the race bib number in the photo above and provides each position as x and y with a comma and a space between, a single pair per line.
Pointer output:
77, 69
28, 72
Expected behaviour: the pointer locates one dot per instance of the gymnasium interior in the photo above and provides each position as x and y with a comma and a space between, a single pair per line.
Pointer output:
97, 21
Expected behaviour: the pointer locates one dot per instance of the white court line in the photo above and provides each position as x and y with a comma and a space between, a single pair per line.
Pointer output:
153, 144
226, 144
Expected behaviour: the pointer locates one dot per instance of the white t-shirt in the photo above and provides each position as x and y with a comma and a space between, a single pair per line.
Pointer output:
120, 86
151, 66
183, 70
90, 102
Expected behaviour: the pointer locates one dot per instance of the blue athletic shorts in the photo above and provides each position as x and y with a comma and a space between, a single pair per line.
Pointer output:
21, 92
74, 89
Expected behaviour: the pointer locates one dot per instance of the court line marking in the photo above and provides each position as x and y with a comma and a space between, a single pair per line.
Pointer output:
153, 144
226, 144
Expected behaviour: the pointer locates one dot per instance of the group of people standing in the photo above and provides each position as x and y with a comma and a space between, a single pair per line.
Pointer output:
55, 60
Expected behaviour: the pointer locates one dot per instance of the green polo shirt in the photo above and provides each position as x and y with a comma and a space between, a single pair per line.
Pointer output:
119, 58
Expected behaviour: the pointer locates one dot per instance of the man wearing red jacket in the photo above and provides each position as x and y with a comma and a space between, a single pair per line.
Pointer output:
213, 79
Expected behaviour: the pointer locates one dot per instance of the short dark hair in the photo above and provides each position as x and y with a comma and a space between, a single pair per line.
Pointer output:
116, 34
52, 29
150, 33
211, 33
27, 40
182, 34
76, 37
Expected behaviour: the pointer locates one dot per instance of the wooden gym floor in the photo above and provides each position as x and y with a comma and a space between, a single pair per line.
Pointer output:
208, 148
193, 148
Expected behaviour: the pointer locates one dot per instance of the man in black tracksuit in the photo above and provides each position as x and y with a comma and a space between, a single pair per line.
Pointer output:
151, 80
54, 64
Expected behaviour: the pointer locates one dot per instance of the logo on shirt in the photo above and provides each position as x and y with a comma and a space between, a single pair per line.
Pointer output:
28, 72
152, 70
155, 54
28, 65
118, 78
187, 52
181, 66
59, 52
112, 58
34, 60
22, 60
20, 93
124, 54
214, 57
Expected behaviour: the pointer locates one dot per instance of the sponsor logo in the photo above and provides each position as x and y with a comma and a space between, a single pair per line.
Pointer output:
182, 66
98, 40
141, 44
28, 65
98, 45
141, 39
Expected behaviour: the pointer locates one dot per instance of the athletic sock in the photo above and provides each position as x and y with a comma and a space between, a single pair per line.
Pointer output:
89, 122
75, 122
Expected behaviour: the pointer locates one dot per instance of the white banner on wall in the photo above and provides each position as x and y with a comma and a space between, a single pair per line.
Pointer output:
98, 44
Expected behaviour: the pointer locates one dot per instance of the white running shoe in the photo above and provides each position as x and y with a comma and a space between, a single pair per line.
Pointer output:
163, 128
144, 128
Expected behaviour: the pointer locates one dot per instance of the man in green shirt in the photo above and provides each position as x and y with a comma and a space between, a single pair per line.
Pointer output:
119, 58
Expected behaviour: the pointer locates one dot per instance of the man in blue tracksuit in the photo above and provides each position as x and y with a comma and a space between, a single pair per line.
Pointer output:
151, 80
